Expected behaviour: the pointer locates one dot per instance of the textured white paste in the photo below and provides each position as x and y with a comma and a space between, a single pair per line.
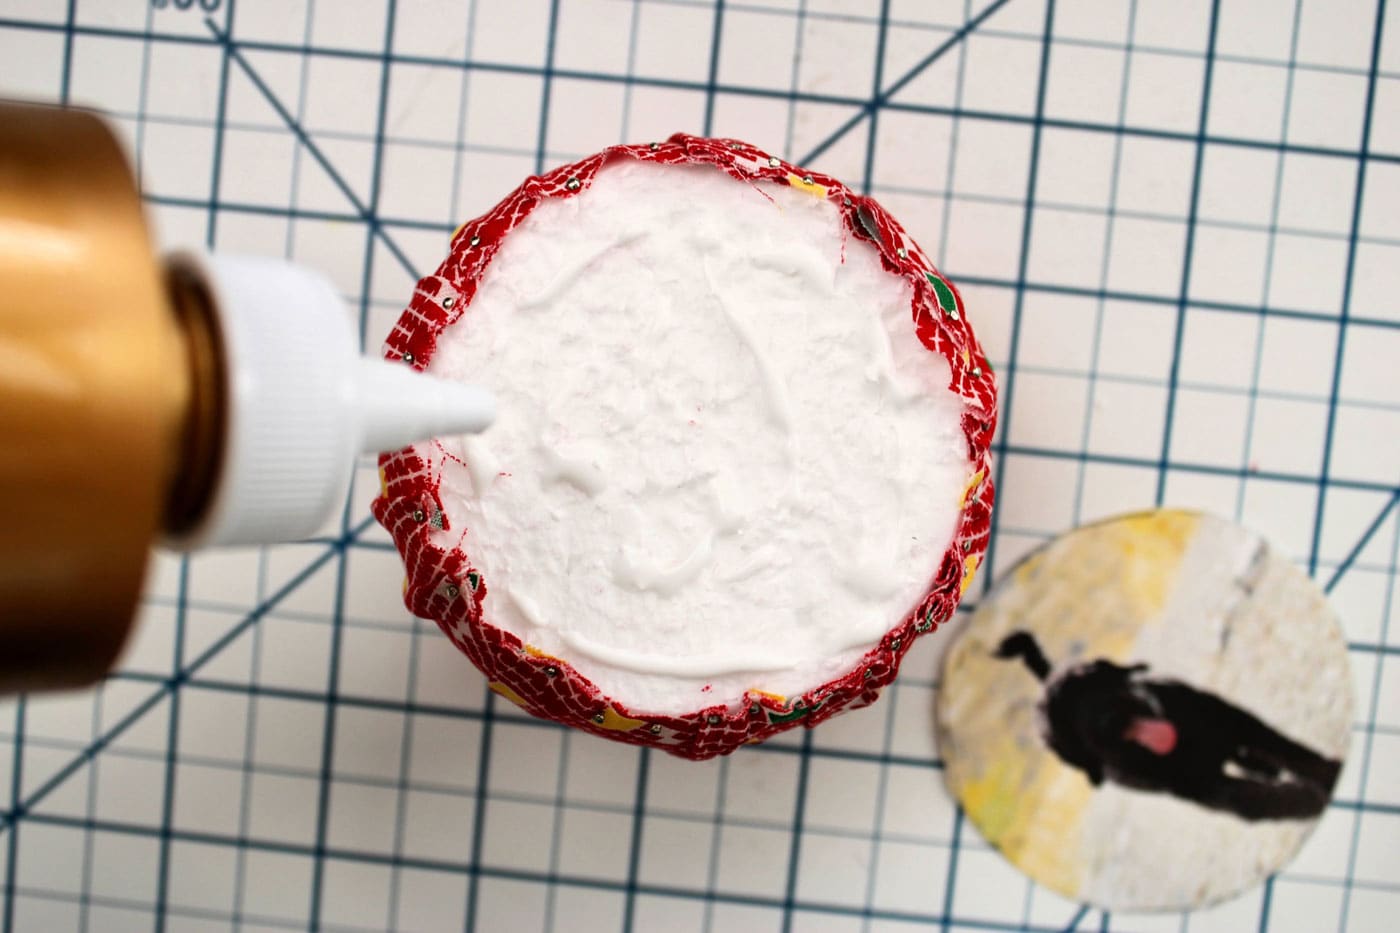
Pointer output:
723, 461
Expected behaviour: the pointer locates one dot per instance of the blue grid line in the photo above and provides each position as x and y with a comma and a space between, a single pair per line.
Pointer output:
1368, 743
66, 76
475, 865
399, 859
626, 128
894, 696
1112, 213
1006, 390
1376, 39
327, 757
133, 905
1347, 563
870, 111
245, 802
1347, 281
954, 128
1205, 469
744, 90
458, 150
1077, 919
1007, 387
546, 88
1266, 285
634, 842
873, 124
716, 36
167, 805
950, 881
1350, 559
21, 808
365, 213
245, 789
891, 700
794, 73
680, 893
181, 610
796, 97
402, 785
413, 708
799, 815
372, 230
551, 894
94, 776
882, 797
717, 825
306, 46
1183, 301
16, 776
945, 193
1077, 291
881, 98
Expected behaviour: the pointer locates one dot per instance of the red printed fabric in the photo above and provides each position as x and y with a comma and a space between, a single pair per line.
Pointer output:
443, 585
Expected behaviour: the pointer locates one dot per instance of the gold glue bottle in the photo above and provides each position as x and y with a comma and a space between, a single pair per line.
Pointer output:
189, 401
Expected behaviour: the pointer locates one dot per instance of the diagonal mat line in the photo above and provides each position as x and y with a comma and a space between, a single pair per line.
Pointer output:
1344, 320
882, 98
1077, 919
1183, 299
1361, 542
177, 679
365, 214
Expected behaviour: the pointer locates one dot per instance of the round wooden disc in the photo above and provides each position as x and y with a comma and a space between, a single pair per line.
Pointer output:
1149, 713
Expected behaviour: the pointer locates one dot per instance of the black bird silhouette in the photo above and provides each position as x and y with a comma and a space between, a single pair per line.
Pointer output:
1114, 723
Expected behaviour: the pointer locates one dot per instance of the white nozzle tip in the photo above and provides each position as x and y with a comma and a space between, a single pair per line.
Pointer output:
401, 406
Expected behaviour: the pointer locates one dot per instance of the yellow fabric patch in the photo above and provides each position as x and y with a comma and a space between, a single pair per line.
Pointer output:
969, 571
616, 722
809, 187
534, 652
971, 485
508, 693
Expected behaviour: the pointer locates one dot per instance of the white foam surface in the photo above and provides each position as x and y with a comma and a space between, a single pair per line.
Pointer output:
723, 460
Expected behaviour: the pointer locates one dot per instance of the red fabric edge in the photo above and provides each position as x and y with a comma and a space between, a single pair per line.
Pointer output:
442, 584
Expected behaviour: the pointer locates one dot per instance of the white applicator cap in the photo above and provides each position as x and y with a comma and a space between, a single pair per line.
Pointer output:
301, 402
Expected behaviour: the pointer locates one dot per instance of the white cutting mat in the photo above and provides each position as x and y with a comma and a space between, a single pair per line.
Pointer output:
1177, 227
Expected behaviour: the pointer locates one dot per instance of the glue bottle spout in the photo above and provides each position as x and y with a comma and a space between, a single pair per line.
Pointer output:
294, 399
399, 406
